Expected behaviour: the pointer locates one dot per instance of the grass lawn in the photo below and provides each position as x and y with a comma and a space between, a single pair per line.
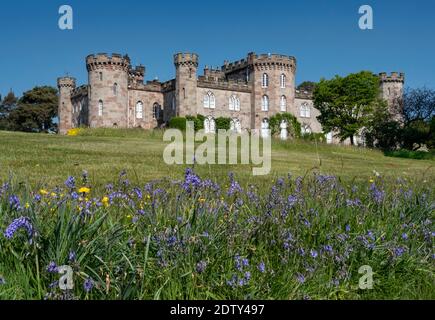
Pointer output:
48, 159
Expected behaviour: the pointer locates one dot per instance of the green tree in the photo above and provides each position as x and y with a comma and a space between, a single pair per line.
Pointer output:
307, 86
346, 104
36, 110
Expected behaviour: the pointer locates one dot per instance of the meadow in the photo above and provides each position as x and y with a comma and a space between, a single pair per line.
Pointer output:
132, 227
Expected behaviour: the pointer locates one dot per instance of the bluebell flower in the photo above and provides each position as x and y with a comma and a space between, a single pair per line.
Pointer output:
72, 256
300, 278
88, 285
70, 182
262, 267
404, 236
313, 253
2, 281
200, 266
52, 267
14, 202
22, 222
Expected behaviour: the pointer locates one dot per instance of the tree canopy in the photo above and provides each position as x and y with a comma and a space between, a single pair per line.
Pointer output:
346, 104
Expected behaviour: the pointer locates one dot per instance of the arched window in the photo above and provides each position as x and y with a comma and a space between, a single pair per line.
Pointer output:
265, 103
234, 103
173, 106
156, 111
305, 129
282, 81
115, 89
209, 125
265, 82
101, 76
139, 110
209, 100
283, 104
100, 108
235, 125
305, 110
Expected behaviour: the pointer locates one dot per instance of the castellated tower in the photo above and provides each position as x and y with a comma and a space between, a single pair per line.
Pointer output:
108, 90
272, 77
66, 85
186, 66
392, 92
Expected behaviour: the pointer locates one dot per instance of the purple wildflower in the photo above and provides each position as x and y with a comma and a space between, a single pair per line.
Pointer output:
262, 267
88, 285
22, 222
200, 266
70, 183
52, 267
14, 202
72, 256
313, 253
300, 278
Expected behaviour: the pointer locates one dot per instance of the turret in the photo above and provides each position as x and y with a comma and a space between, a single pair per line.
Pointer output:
272, 77
186, 66
66, 85
108, 93
391, 90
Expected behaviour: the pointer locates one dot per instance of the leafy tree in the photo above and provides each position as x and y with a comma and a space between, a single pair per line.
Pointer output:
307, 86
36, 110
418, 105
346, 104
293, 125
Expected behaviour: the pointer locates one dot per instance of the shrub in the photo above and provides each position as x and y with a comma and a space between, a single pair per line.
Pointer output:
418, 155
223, 123
319, 137
178, 123
293, 128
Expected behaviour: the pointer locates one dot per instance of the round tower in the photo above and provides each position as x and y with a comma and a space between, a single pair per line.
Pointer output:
186, 66
65, 85
391, 90
273, 85
108, 89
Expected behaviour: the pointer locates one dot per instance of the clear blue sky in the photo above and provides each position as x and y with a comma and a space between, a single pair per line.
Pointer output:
322, 34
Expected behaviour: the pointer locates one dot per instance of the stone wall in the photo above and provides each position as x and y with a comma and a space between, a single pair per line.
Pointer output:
148, 99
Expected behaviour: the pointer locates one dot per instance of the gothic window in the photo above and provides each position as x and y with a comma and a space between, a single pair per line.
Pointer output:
156, 111
305, 110
115, 89
100, 108
173, 104
265, 81
235, 125
282, 81
265, 103
234, 103
209, 101
139, 110
283, 104
209, 125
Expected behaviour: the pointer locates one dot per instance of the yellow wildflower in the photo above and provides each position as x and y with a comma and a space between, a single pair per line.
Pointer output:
27, 205
201, 200
84, 190
53, 194
371, 180
43, 192
105, 201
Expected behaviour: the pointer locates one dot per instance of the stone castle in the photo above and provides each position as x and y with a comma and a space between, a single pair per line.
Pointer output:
248, 91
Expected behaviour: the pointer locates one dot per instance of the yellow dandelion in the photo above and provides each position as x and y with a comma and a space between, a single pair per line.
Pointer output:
27, 205
43, 192
105, 201
53, 194
201, 200
84, 190
371, 180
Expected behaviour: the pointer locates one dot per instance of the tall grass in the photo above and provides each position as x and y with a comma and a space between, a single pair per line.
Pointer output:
193, 238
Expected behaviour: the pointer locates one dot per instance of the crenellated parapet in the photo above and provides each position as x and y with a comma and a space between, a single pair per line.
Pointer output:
136, 75
272, 62
394, 77
186, 59
222, 84
105, 61
66, 82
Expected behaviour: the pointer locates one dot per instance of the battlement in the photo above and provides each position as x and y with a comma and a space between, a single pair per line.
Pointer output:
186, 59
168, 85
262, 59
103, 60
213, 73
213, 83
66, 82
394, 77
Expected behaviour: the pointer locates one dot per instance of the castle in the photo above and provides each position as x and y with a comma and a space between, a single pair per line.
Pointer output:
248, 91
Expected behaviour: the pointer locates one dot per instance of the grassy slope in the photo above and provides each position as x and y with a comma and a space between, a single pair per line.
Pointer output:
48, 159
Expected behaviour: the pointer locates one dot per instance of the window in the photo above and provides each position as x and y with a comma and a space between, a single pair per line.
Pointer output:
282, 81
265, 103
234, 104
101, 76
209, 125
265, 82
139, 110
235, 126
156, 111
305, 110
115, 89
184, 93
100, 108
283, 104
173, 104
209, 101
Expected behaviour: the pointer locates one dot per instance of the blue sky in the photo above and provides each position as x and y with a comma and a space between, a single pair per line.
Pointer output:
323, 35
